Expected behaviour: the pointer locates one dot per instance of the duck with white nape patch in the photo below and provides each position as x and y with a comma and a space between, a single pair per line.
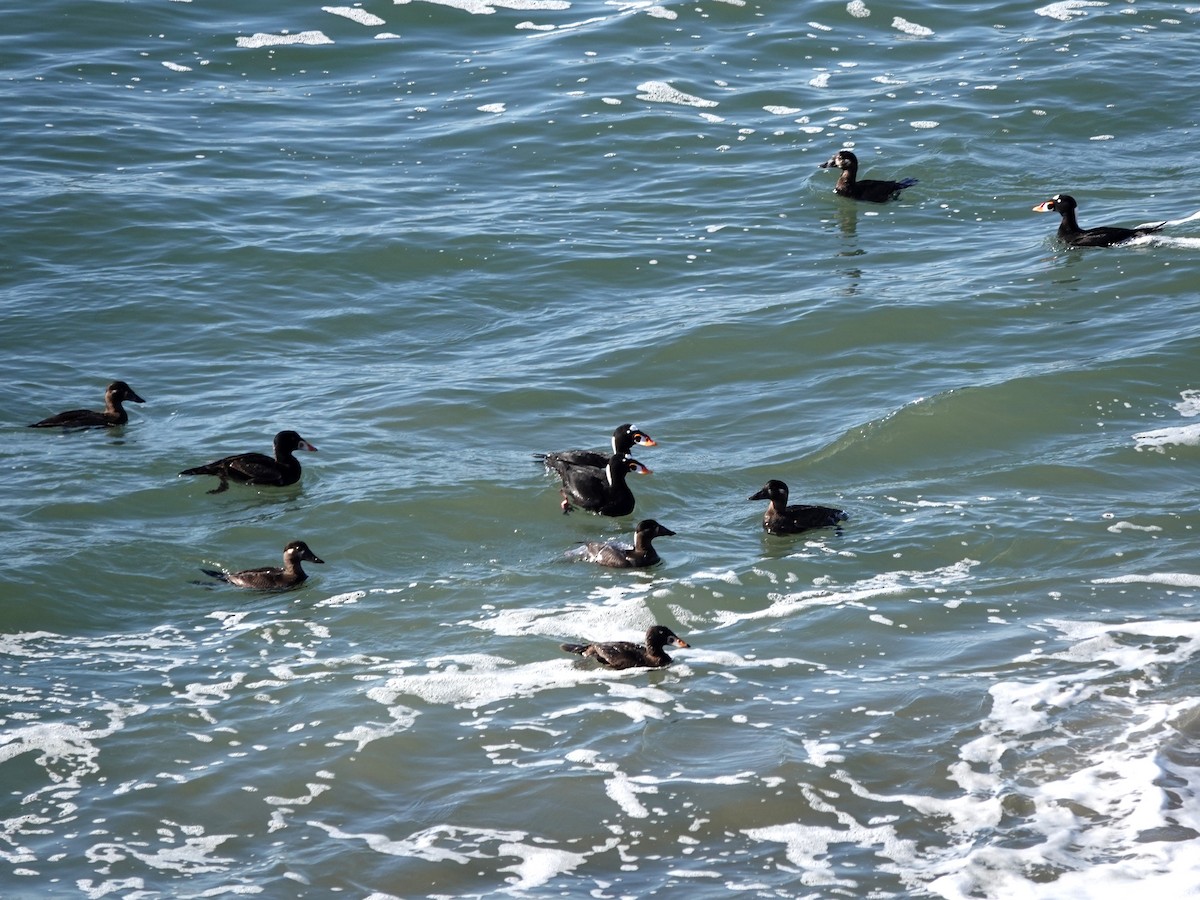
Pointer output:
600, 491
624, 438
1071, 234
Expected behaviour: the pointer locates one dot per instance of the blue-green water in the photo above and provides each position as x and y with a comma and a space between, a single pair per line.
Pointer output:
435, 238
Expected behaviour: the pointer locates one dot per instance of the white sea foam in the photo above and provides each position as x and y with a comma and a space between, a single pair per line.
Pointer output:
488, 7
809, 847
1182, 435
784, 605
1095, 819
536, 863
1189, 403
354, 14
403, 718
1067, 9
911, 28
858, 9
1168, 579
306, 38
661, 92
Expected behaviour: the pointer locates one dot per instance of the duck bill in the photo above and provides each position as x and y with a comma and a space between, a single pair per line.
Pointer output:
305, 445
646, 441
1048, 206
759, 495
680, 642
135, 398
642, 470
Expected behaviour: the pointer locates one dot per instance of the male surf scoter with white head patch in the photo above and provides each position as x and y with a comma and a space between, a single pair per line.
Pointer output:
628, 655
783, 519
868, 189
113, 414
601, 491
1070, 233
623, 441
258, 468
273, 578
621, 556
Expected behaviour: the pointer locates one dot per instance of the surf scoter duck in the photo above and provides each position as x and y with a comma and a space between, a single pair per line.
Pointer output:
867, 189
783, 519
114, 413
623, 440
601, 491
273, 578
621, 556
628, 655
258, 468
1069, 231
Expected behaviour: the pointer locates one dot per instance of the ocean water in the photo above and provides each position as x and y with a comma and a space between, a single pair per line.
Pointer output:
438, 237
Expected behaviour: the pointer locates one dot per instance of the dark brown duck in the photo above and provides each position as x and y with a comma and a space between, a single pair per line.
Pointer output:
783, 519
113, 413
622, 556
273, 578
258, 468
628, 655
868, 189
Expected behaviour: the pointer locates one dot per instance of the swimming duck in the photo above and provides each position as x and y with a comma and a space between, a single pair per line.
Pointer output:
867, 189
627, 655
273, 578
258, 468
601, 491
621, 556
114, 413
623, 440
783, 519
1069, 231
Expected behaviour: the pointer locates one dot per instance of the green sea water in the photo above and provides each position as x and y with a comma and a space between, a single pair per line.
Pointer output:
436, 238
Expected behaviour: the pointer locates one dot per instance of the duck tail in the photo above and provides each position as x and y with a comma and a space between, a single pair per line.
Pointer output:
213, 573
907, 183
574, 648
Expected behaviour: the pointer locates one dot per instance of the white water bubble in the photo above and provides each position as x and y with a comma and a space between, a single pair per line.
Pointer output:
354, 14
911, 28
305, 38
661, 92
